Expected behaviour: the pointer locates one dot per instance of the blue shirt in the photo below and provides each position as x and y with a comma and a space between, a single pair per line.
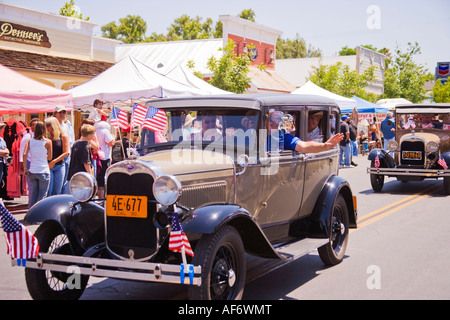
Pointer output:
386, 128
2, 147
288, 141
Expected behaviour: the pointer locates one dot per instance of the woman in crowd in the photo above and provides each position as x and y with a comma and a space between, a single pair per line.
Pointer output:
60, 147
40, 150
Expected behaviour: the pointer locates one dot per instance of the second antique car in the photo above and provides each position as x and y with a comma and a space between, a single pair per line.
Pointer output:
212, 182
421, 149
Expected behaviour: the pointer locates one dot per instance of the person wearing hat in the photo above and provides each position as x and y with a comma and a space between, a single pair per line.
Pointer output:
4, 152
188, 129
345, 150
313, 125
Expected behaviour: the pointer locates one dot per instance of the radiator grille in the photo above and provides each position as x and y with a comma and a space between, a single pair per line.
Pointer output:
196, 195
412, 146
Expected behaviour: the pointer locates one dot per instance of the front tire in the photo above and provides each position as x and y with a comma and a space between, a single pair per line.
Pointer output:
222, 258
446, 185
333, 252
52, 285
376, 180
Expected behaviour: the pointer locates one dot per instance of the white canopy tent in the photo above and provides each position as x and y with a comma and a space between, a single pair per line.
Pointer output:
186, 77
392, 103
311, 88
127, 81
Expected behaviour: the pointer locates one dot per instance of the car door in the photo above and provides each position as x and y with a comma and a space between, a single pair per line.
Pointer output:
281, 178
319, 166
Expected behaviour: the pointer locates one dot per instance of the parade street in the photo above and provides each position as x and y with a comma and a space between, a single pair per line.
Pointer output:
397, 252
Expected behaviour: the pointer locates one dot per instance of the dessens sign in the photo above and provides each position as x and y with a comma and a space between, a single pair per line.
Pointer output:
22, 34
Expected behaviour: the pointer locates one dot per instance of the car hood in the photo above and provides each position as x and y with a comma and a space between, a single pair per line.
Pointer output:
187, 164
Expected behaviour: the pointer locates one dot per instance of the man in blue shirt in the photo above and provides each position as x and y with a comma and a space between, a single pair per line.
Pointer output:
388, 129
291, 142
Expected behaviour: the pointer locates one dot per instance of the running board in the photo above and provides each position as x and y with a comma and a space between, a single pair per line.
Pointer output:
295, 250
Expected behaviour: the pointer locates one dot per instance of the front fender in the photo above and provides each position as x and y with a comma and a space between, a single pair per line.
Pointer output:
83, 224
209, 218
386, 160
319, 221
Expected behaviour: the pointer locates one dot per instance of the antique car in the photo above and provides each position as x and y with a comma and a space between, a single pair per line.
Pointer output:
206, 192
420, 150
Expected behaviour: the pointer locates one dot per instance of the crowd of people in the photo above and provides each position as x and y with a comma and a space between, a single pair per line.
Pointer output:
50, 154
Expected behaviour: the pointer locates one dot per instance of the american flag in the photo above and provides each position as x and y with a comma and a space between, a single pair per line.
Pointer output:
442, 162
20, 243
138, 115
119, 118
155, 119
178, 239
377, 162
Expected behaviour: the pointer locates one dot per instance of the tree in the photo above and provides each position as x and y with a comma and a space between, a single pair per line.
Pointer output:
187, 28
247, 14
295, 48
71, 10
339, 79
230, 71
441, 92
130, 30
404, 78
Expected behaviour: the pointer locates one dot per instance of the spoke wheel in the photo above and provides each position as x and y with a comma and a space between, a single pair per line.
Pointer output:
333, 252
52, 285
222, 258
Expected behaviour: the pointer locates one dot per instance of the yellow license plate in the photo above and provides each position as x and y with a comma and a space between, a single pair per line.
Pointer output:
412, 155
126, 206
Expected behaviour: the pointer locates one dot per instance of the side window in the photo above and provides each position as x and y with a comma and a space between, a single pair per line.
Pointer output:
280, 126
319, 126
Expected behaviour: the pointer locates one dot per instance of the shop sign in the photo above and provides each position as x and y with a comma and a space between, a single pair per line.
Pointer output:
22, 34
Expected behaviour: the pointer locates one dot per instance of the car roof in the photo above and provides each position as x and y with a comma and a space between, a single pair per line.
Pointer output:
423, 108
252, 101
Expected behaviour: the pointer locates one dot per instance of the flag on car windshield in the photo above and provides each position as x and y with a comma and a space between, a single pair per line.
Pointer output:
178, 239
138, 115
155, 119
20, 243
442, 162
119, 118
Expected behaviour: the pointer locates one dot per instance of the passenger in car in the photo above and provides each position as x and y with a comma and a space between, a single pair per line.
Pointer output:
295, 143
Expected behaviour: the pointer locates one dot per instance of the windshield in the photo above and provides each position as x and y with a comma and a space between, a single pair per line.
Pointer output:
423, 121
195, 126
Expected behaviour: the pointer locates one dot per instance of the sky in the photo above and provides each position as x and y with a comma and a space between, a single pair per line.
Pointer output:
327, 25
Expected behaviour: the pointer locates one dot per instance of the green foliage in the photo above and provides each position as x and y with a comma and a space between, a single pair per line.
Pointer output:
247, 14
71, 10
130, 30
295, 48
339, 79
187, 28
230, 72
404, 78
441, 92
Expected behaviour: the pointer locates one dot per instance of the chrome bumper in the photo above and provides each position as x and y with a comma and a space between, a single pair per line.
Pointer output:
427, 173
118, 269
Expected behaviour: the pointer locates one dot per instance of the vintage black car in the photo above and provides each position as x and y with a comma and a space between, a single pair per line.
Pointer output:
214, 179
421, 149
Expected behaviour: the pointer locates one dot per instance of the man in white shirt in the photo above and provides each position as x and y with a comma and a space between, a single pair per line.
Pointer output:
106, 141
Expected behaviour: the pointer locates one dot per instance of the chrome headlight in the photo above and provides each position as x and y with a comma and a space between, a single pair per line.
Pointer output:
392, 145
432, 146
83, 186
167, 189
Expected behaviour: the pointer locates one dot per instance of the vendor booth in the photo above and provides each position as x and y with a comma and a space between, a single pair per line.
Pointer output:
126, 82
18, 95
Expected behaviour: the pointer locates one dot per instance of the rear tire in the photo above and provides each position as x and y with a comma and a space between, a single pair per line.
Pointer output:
333, 252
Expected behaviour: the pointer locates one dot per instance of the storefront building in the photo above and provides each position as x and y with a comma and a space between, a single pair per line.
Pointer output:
56, 50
